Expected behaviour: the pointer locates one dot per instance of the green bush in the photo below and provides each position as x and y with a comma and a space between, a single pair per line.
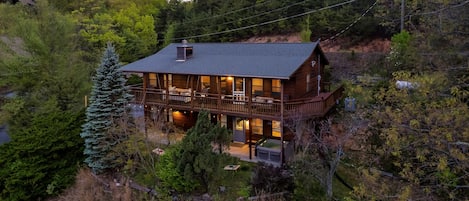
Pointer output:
169, 176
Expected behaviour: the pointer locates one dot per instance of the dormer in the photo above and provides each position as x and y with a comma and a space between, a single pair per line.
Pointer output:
184, 51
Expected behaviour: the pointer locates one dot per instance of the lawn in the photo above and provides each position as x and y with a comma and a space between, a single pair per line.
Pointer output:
231, 184
349, 175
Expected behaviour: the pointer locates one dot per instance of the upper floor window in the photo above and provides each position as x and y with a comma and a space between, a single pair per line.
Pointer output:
257, 87
205, 82
239, 84
168, 78
276, 88
152, 79
224, 85
308, 82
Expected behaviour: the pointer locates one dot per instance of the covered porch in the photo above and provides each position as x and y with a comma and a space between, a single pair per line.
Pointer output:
316, 106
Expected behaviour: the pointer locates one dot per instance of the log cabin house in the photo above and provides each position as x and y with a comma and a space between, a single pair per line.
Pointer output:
251, 88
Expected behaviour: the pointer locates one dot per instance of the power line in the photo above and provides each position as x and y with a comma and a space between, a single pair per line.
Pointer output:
267, 22
427, 13
439, 10
227, 13
250, 17
354, 22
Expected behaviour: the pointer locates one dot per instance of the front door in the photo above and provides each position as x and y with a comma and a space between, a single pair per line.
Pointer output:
241, 127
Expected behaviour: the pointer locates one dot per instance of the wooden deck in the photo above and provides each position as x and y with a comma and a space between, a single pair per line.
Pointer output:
316, 106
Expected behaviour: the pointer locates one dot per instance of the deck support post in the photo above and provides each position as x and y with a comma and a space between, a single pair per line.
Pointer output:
219, 92
282, 156
250, 138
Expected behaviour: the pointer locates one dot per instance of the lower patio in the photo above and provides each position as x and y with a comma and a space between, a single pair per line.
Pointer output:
236, 149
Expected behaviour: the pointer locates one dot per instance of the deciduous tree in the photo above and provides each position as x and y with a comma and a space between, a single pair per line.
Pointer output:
320, 148
424, 135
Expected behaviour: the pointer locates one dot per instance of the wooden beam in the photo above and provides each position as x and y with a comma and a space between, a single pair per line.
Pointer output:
250, 138
282, 156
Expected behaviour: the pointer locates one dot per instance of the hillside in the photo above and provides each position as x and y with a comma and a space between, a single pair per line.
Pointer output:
347, 59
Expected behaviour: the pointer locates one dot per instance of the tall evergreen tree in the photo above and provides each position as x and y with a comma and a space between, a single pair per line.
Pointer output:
109, 97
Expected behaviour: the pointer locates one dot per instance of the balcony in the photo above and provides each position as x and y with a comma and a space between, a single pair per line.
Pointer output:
242, 106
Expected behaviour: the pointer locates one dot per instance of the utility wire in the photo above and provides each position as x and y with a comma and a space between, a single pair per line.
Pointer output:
438, 11
246, 18
429, 12
227, 13
267, 22
353, 23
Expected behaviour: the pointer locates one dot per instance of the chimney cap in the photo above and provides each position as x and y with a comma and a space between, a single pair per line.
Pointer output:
184, 42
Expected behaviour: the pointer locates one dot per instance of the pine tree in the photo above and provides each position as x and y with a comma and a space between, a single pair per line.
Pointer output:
109, 97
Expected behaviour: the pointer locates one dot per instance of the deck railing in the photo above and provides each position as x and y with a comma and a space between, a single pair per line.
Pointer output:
229, 104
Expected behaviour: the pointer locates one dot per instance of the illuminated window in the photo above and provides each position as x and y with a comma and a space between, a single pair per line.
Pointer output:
276, 87
239, 84
205, 81
257, 87
308, 82
168, 78
276, 129
257, 126
242, 124
152, 79
223, 85
223, 120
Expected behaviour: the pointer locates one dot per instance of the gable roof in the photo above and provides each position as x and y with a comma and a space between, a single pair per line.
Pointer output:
269, 60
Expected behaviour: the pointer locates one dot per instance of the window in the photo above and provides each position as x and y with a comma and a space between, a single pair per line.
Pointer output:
257, 87
257, 126
239, 84
169, 79
205, 82
242, 124
276, 87
276, 129
308, 82
224, 85
152, 79
223, 120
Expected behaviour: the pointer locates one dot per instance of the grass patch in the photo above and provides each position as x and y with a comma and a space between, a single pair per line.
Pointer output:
349, 175
230, 185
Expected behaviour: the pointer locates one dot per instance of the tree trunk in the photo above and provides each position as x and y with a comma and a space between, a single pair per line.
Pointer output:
329, 177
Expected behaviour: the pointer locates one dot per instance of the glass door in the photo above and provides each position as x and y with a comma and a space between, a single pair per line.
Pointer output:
239, 90
241, 127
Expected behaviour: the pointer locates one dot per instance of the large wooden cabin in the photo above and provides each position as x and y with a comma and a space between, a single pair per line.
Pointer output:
250, 88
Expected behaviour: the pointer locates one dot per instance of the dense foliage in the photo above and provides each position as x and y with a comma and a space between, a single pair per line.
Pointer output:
418, 131
40, 62
271, 179
42, 156
194, 161
108, 102
203, 20
424, 135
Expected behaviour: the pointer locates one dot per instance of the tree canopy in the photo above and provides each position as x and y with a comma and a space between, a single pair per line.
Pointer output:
39, 62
